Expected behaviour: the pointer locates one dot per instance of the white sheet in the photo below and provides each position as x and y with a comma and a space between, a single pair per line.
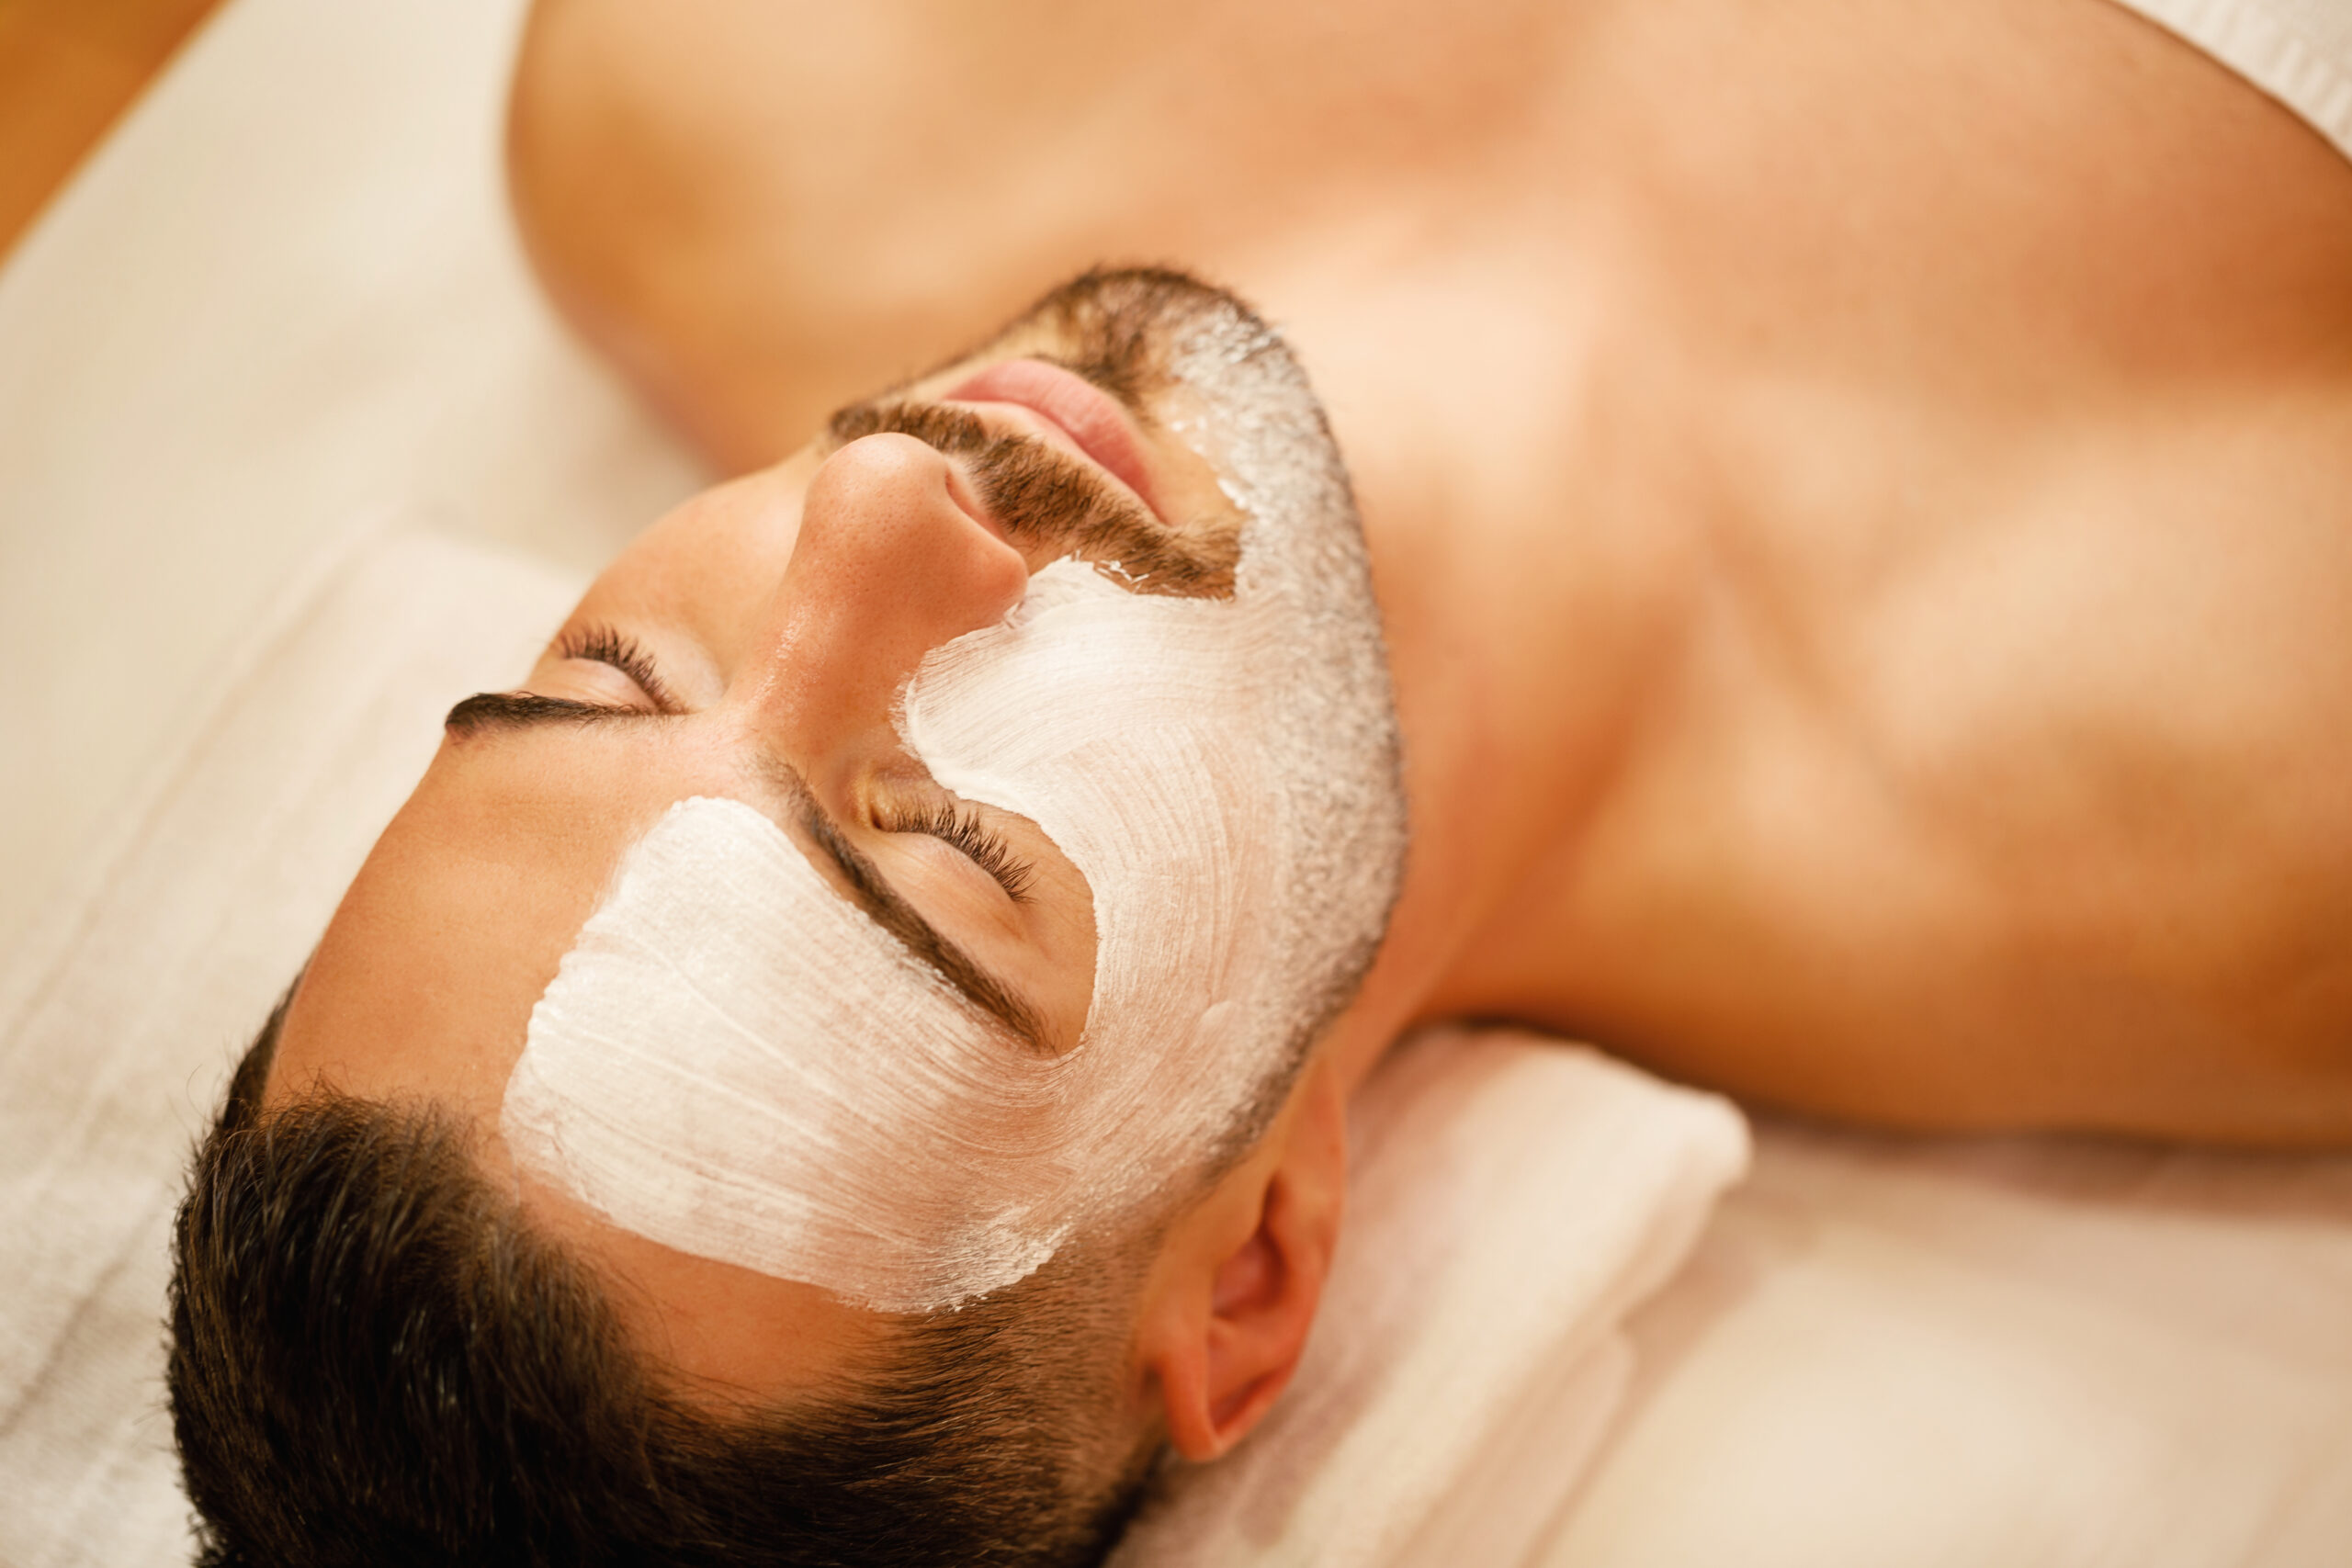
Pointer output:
2041, 1353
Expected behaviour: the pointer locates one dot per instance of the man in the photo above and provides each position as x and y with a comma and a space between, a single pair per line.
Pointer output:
1861, 507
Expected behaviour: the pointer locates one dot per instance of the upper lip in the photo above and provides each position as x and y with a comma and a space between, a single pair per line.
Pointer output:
1089, 418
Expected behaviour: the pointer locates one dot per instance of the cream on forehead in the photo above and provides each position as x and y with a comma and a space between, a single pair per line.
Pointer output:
736, 1062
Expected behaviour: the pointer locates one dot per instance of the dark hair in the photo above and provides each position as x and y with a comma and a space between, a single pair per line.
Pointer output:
374, 1359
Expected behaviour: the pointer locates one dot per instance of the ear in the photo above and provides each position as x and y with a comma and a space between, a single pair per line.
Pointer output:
1234, 1289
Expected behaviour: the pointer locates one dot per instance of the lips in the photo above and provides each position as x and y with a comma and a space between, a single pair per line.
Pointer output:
1071, 404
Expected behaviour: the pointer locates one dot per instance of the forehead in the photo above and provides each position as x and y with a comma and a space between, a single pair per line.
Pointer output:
425, 979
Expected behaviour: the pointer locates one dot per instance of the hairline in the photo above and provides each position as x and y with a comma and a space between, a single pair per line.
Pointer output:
243, 1111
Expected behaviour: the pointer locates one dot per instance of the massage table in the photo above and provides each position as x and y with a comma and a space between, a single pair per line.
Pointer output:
292, 455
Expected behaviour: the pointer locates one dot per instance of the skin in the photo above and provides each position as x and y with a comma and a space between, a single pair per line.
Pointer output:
1860, 500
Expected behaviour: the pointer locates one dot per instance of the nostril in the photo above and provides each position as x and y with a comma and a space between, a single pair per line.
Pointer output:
890, 516
966, 497
893, 462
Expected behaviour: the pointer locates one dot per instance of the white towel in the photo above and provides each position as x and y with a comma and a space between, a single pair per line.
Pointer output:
1512, 1197
2298, 51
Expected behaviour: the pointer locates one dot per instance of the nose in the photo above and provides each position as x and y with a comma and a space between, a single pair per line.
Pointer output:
894, 558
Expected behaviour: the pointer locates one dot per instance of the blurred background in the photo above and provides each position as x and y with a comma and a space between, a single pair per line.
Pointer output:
68, 68
259, 297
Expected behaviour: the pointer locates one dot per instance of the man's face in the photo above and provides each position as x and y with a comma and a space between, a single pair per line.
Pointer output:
752, 646
812, 918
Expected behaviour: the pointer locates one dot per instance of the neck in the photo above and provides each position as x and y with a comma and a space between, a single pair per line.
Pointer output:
1531, 610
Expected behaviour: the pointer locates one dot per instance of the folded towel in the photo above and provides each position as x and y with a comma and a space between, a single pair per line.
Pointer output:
1511, 1198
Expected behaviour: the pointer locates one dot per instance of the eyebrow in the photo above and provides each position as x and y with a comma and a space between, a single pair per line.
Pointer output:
523, 710
871, 891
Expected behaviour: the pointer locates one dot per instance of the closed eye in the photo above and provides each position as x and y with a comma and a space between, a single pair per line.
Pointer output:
599, 644
983, 845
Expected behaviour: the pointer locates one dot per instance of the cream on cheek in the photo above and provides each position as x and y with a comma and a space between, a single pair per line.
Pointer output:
1128, 729
735, 1062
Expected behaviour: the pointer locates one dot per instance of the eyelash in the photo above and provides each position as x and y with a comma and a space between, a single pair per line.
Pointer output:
603, 645
984, 847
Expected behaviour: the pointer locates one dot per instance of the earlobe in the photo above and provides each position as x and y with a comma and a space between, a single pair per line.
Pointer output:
1228, 1325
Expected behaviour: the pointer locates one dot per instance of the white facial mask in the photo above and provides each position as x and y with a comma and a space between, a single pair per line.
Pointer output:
737, 1062
733, 1060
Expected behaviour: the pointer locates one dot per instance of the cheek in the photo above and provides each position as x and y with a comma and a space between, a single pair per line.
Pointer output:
1125, 726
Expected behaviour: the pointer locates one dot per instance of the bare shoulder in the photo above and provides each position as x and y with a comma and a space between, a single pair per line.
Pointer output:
2005, 778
